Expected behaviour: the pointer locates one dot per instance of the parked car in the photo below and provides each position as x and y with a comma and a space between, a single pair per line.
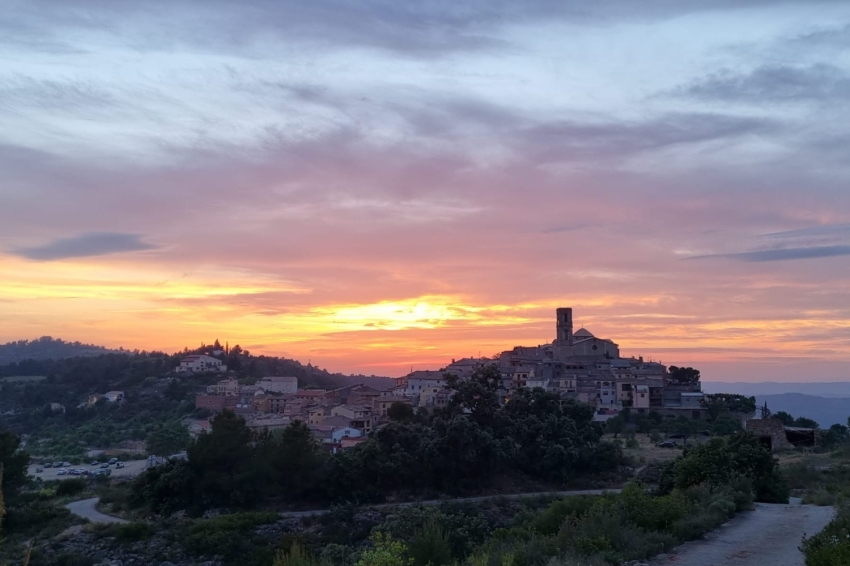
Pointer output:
102, 472
679, 436
113, 460
104, 465
61, 473
73, 472
119, 464
667, 444
94, 462
67, 464
39, 470
57, 464
48, 465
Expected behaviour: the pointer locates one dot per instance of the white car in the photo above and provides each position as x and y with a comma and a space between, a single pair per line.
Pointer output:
61, 473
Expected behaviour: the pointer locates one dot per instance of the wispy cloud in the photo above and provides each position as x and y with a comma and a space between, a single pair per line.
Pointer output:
783, 254
85, 245
776, 83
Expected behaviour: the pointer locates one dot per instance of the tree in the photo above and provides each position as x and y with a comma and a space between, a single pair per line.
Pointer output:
223, 463
477, 395
684, 375
170, 439
294, 458
615, 425
803, 422
787, 419
14, 464
400, 412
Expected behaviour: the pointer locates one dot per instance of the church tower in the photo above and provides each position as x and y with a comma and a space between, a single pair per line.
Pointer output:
565, 326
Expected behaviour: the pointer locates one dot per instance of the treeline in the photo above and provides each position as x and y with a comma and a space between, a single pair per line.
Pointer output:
46, 348
462, 448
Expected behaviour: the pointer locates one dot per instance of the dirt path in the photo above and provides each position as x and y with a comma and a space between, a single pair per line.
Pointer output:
86, 510
767, 536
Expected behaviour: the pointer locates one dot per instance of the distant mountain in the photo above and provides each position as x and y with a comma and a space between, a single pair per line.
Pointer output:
47, 348
820, 389
826, 411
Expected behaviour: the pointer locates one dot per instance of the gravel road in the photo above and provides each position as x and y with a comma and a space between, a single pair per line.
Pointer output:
86, 510
767, 536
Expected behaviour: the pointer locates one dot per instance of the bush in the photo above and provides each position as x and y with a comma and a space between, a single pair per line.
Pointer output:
228, 536
71, 487
830, 547
632, 443
133, 532
550, 520
430, 546
720, 461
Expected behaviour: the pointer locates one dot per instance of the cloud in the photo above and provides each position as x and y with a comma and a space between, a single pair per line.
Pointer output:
570, 140
85, 245
776, 83
783, 254
426, 28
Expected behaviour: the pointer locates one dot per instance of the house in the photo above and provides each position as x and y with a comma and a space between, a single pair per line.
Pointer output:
224, 387
316, 415
197, 428
215, 403
380, 405
114, 396
200, 363
268, 422
93, 399
287, 385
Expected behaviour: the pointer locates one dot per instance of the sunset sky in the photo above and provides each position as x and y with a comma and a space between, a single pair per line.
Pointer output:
376, 185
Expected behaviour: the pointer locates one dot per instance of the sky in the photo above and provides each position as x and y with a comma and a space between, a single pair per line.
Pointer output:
382, 185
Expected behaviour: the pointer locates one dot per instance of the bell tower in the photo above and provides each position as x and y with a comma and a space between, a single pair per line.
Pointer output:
565, 326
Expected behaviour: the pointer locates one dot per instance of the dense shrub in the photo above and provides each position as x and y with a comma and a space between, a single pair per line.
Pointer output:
71, 487
720, 461
228, 536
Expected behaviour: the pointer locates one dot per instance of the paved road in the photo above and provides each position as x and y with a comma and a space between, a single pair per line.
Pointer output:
86, 510
131, 469
767, 536
430, 502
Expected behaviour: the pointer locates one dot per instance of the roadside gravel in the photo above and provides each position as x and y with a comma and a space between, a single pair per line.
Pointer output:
768, 536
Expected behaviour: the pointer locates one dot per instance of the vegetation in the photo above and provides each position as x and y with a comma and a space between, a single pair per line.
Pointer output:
830, 547
462, 449
683, 375
729, 461
724, 403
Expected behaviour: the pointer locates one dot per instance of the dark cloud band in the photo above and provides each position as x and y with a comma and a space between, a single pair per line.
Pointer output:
85, 245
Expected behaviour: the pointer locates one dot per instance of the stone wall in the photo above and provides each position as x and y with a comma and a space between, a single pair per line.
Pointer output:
769, 428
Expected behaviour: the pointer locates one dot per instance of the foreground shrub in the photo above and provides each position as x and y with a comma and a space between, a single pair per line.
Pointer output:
830, 547
719, 462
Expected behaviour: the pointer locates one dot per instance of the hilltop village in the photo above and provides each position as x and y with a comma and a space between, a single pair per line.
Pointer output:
576, 365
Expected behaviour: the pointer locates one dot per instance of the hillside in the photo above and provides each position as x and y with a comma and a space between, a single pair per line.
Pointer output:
47, 348
819, 389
